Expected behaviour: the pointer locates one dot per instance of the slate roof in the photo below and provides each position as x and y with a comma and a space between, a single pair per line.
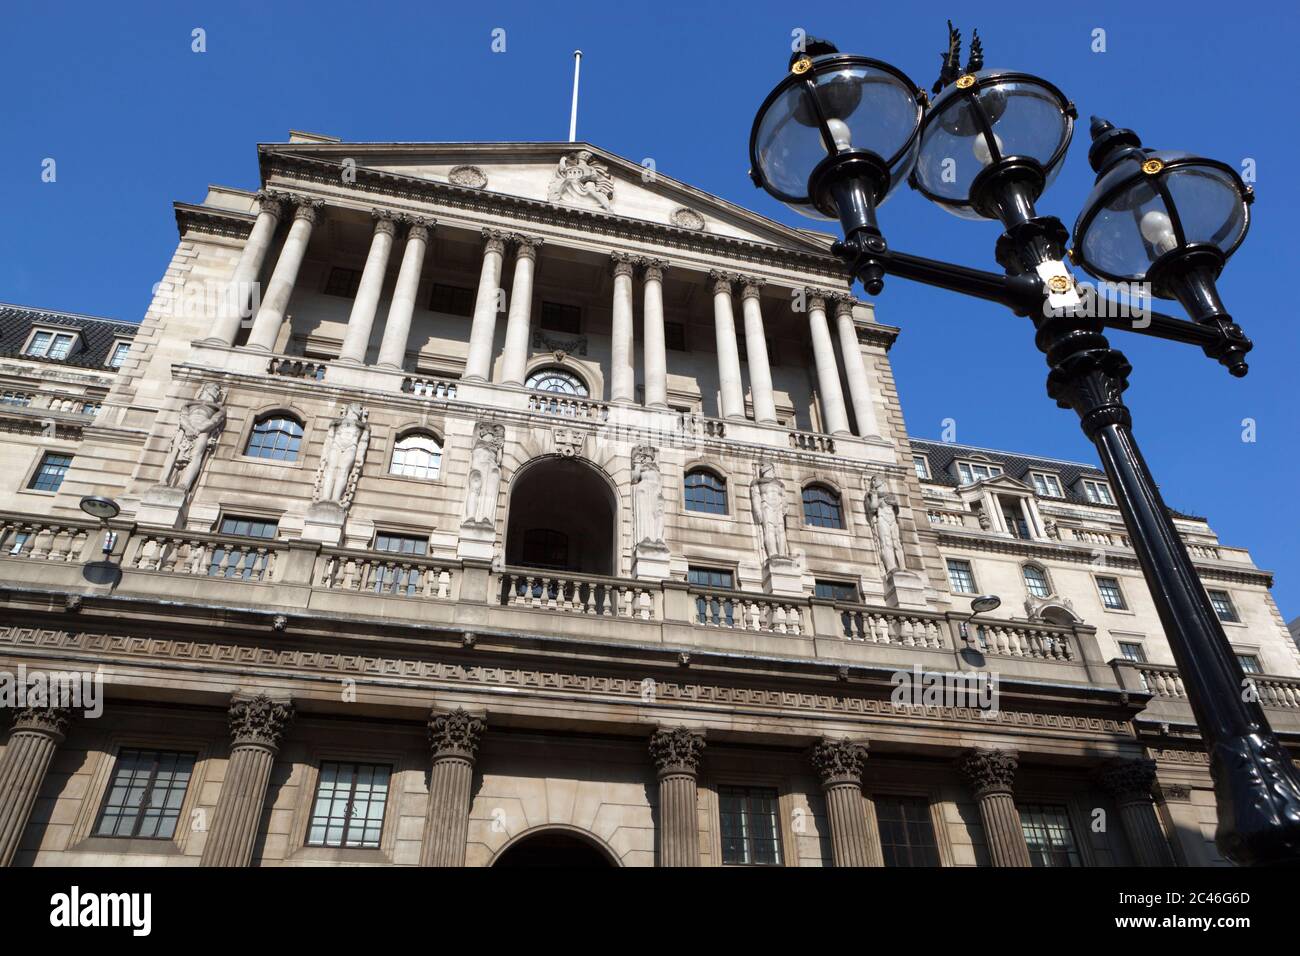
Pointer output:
97, 334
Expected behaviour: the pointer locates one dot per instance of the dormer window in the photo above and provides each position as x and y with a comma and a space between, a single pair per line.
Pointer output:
117, 354
1047, 485
972, 471
50, 344
922, 466
1097, 492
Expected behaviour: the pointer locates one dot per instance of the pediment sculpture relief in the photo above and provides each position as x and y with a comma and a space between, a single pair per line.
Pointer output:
579, 178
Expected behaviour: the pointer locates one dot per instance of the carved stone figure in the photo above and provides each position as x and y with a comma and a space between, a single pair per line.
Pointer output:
647, 498
1053, 531
882, 509
470, 176
343, 455
197, 431
578, 176
484, 479
767, 500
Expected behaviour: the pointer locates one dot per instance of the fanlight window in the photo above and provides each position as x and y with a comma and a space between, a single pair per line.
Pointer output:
417, 455
556, 380
277, 437
706, 492
821, 507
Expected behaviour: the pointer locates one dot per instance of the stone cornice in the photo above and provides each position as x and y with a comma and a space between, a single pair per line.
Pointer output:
213, 221
591, 221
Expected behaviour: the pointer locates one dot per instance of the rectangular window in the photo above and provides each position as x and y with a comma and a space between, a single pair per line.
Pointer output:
675, 336
1049, 836
18, 399
1249, 663
836, 591
960, 576
1098, 492
971, 471
50, 472
1222, 604
395, 579
710, 578
118, 355
751, 835
451, 299
349, 808
51, 345
1013, 514
145, 796
1047, 485
906, 831
922, 466
1133, 652
1111, 595
558, 317
343, 282
712, 610
243, 562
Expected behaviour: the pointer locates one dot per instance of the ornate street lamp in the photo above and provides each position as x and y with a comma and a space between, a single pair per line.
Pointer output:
840, 132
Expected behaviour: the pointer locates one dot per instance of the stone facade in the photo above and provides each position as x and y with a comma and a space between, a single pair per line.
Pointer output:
485, 502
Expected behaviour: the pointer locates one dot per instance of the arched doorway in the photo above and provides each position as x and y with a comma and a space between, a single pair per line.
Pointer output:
561, 518
553, 848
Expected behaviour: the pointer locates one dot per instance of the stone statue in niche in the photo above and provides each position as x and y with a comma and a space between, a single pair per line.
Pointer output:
647, 498
484, 480
882, 509
342, 457
768, 502
578, 176
197, 431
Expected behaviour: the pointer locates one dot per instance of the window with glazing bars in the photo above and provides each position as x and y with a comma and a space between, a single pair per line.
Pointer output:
706, 492
1036, 581
343, 282
349, 807
1222, 605
711, 610
278, 438
906, 831
821, 507
1111, 595
145, 795
451, 299
751, 832
960, 576
244, 563
50, 472
1049, 835
399, 580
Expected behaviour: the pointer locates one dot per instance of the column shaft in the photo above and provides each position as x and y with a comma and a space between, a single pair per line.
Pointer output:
855, 369
828, 374
36, 734
397, 328
266, 326
1130, 783
676, 753
515, 360
724, 327
622, 374
483, 329
453, 742
237, 296
654, 346
366, 304
760, 370
839, 765
991, 775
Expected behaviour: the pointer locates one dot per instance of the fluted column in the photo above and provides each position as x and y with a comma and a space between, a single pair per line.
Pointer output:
256, 726
760, 368
453, 743
839, 766
483, 328
654, 346
515, 359
828, 373
724, 327
1129, 782
266, 326
991, 775
622, 372
397, 327
676, 753
35, 735
366, 304
855, 368
235, 300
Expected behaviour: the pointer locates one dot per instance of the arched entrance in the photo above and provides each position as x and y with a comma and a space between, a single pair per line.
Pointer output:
553, 848
561, 518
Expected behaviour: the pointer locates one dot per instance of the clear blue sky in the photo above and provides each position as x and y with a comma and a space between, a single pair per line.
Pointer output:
135, 120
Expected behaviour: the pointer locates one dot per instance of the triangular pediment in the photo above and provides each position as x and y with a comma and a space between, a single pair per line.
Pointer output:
575, 175
1003, 483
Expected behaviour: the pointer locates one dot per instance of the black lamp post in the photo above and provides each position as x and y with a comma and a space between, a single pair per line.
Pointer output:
840, 132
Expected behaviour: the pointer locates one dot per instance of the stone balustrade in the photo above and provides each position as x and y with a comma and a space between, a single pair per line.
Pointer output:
1037, 641
812, 441
890, 626
1203, 551
288, 367
743, 611
551, 403
437, 388
1165, 683
200, 554
951, 519
44, 539
395, 575
699, 426
568, 593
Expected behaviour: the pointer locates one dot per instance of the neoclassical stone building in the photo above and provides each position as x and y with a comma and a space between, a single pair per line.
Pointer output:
510, 504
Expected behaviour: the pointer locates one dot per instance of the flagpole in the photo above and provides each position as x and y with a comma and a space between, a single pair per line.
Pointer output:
573, 112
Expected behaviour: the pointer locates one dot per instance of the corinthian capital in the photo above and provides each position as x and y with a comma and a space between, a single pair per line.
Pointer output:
455, 734
654, 268
722, 281
838, 761
989, 771
844, 303
270, 201
418, 227
526, 246
385, 221
624, 264
1128, 781
258, 720
676, 750
51, 721
816, 299
494, 240
307, 209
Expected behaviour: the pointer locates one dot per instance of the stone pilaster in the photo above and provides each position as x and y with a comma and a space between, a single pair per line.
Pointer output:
676, 753
256, 726
35, 735
991, 775
266, 326
1129, 783
453, 743
839, 766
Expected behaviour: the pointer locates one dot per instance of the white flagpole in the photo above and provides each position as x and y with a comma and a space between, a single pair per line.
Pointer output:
573, 113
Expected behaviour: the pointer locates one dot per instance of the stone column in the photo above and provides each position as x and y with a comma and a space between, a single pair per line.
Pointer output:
515, 359
855, 368
760, 369
266, 326
839, 766
676, 753
453, 741
828, 373
1129, 782
483, 329
397, 328
256, 726
991, 775
236, 297
622, 373
366, 304
35, 735
653, 344
724, 327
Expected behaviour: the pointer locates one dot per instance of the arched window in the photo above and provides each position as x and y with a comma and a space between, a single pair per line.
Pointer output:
821, 507
1036, 581
278, 437
417, 455
706, 492
556, 380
